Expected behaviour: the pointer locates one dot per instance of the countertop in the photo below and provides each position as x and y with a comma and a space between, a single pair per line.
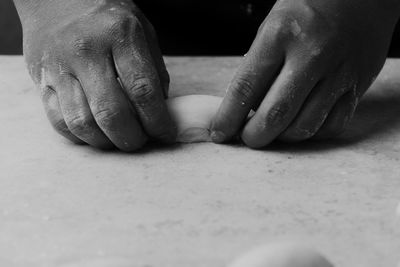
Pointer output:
197, 205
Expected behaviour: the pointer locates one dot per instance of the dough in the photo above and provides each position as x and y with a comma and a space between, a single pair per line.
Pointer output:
193, 115
282, 255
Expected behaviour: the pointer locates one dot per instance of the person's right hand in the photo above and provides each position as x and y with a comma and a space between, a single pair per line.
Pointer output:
101, 74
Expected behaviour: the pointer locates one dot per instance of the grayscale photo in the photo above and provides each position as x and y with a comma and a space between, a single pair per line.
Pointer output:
224, 133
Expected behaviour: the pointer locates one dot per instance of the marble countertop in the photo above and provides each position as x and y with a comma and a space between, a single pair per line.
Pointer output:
197, 205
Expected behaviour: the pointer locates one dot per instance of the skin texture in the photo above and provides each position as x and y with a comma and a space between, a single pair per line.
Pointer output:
282, 255
306, 70
193, 115
99, 71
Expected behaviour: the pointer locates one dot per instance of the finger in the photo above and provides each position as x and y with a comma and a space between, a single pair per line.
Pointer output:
110, 107
55, 116
317, 107
77, 114
250, 84
139, 78
156, 54
153, 44
339, 117
281, 104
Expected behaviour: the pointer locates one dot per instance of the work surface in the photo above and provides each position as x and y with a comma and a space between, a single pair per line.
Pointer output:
196, 205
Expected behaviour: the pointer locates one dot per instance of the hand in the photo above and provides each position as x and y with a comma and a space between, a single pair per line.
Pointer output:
101, 74
305, 72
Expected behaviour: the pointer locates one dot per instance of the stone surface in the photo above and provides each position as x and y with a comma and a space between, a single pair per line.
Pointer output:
196, 205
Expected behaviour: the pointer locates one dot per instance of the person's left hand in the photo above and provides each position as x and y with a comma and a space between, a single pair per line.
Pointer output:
309, 65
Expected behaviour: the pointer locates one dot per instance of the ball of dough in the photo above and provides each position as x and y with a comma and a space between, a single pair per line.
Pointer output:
100, 262
193, 116
282, 255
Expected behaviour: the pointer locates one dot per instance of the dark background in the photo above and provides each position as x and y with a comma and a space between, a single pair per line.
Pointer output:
185, 27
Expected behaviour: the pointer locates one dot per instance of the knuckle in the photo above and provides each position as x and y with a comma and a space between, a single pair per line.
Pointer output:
123, 26
278, 114
81, 124
108, 119
276, 27
83, 46
242, 90
142, 92
124, 23
275, 119
261, 27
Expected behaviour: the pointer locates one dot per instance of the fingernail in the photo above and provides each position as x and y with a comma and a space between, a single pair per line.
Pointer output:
218, 137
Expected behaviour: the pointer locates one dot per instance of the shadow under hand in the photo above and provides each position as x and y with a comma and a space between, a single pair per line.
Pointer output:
377, 116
